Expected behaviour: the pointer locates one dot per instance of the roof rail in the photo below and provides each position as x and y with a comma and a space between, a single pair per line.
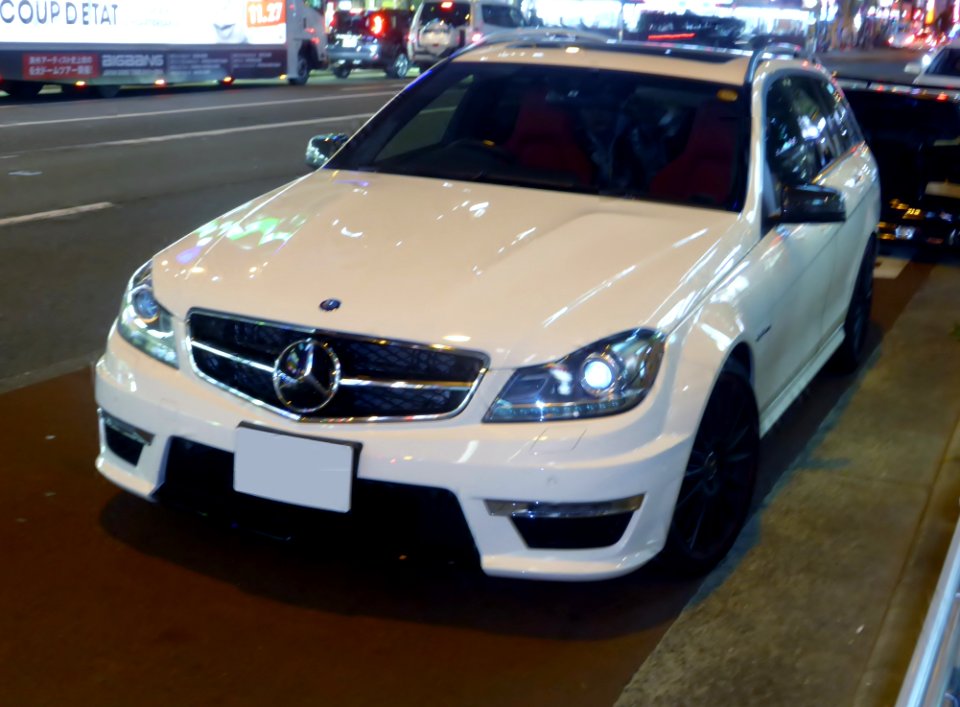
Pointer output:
774, 50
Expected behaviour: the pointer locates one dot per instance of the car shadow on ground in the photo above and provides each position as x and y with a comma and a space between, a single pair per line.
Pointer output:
376, 571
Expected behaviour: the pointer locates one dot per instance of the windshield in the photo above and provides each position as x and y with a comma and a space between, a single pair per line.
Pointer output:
568, 129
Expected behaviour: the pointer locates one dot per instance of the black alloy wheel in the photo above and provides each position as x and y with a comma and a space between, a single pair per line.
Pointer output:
303, 71
857, 323
341, 71
719, 479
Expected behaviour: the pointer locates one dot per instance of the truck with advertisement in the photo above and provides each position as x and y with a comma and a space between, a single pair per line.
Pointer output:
100, 46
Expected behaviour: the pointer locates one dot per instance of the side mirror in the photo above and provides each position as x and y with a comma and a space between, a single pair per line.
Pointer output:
322, 147
812, 204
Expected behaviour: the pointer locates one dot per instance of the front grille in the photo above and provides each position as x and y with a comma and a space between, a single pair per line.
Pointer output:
379, 379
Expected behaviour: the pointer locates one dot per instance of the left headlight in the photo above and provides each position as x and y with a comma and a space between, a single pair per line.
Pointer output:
143, 322
607, 377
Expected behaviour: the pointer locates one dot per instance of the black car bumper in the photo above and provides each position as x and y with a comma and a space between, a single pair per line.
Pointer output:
361, 57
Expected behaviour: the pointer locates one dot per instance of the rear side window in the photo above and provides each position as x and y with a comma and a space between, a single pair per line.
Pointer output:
501, 15
453, 13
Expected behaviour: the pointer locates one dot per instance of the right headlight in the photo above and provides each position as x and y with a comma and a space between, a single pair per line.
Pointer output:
143, 322
604, 378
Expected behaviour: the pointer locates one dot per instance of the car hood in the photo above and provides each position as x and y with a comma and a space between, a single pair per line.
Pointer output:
523, 275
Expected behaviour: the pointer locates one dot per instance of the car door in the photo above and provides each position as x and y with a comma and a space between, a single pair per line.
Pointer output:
794, 258
853, 173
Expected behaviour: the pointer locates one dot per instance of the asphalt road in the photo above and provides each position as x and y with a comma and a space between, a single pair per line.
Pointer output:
151, 166
112, 601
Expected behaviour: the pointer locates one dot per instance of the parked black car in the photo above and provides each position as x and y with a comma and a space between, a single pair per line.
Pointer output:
369, 39
914, 135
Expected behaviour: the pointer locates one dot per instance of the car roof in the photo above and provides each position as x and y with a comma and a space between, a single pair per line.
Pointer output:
724, 66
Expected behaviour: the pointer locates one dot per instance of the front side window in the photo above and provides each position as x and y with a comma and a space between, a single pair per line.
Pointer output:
840, 118
605, 132
798, 143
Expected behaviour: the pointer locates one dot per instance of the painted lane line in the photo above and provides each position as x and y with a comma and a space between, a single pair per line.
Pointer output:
56, 213
147, 114
214, 133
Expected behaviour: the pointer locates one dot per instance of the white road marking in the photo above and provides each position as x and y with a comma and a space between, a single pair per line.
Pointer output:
56, 213
215, 133
24, 173
889, 268
259, 104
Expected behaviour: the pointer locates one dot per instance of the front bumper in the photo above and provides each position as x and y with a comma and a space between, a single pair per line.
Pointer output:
584, 467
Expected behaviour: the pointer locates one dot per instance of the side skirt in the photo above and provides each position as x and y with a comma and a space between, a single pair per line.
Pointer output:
779, 405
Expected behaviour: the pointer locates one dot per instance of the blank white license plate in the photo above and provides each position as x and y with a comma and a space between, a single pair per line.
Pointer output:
348, 41
293, 469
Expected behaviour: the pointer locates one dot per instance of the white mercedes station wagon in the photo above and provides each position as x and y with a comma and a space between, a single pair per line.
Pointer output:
561, 285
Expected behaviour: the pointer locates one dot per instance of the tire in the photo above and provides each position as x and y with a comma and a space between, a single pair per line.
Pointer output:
719, 480
857, 322
22, 89
106, 91
399, 67
303, 71
342, 71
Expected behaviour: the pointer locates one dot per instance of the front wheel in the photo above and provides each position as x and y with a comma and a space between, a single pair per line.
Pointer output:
399, 67
341, 71
22, 89
719, 479
303, 71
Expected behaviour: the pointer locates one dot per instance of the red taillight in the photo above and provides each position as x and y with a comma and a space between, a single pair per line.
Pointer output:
476, 37
942, 97
446, 5
377, 25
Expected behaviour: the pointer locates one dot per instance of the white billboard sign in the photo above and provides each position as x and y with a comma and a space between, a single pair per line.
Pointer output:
138, 22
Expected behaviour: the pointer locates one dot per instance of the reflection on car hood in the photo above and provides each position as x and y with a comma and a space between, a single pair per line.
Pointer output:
524, 275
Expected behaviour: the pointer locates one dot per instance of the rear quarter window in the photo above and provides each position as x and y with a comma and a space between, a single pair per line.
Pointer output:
456, 13
501, 15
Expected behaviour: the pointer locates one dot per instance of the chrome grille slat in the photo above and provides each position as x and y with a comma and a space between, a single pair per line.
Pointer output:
382, 380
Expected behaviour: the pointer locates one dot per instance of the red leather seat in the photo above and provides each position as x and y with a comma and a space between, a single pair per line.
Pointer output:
544, 138
704, 170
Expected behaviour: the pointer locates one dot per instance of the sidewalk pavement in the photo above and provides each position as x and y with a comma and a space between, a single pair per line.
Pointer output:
822, 599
